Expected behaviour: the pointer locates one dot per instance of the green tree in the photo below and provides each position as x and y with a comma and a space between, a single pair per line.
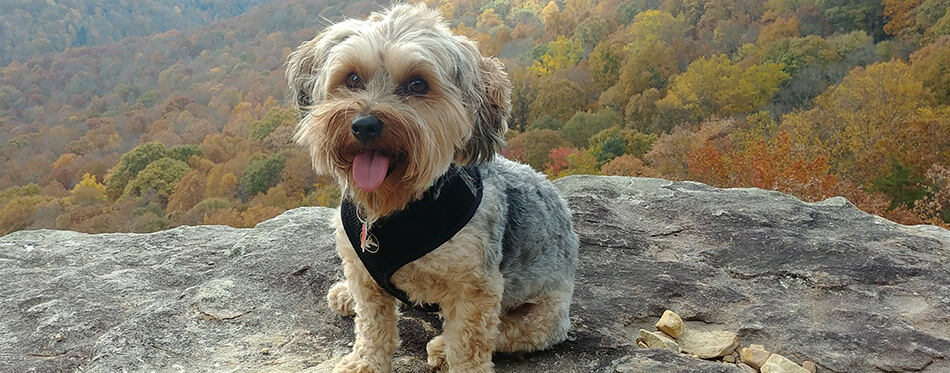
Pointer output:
582, 126
161, 176
263, 174
130, 164
605, 63
590, 32
276, 117
852, 15
184, 152
902, 184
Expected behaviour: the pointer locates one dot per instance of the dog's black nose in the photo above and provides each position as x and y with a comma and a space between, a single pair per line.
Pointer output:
366, 127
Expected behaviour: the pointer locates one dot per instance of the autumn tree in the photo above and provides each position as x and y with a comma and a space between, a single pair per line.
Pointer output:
652, 26
604, 63
644, 67
557, 161
560, 54
899, 15
88, 192
935, 207
614, 142
580, 162
558, 98
670, 153
533, 147
716, 86
188, 192
849, 118
628, 165
524, 91
764, 163
929, 65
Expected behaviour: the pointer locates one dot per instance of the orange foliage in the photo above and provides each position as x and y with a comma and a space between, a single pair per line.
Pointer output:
628, 165
764, 164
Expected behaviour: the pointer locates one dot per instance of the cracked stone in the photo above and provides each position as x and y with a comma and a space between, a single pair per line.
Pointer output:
755, 357
780, 364
659, 340
708, 345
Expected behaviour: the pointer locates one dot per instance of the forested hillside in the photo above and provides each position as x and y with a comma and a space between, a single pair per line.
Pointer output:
33, 27
813, 98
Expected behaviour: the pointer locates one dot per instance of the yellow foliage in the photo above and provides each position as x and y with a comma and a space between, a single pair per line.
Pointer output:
87, 192
64, 160
716, 86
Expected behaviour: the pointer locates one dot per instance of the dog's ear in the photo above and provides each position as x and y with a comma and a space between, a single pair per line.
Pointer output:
304, 64
491, 115
301, 74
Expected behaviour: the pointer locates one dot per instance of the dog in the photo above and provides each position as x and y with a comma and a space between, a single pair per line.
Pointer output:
408, 118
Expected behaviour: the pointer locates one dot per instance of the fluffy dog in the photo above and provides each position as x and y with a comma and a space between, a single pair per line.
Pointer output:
406, 115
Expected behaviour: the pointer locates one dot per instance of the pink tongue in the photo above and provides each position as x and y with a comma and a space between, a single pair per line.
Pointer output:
369, 169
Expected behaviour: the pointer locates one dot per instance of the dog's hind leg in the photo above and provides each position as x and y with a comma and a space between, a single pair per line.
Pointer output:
536, 325
340, 299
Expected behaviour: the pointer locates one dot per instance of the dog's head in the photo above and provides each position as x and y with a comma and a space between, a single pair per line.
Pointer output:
388, 103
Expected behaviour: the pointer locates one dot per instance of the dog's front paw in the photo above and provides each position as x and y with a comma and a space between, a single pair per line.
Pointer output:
436, 351
340, 300
354, 364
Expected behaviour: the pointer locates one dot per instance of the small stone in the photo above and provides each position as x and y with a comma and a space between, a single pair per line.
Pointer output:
729, 358
708, 345
58, 337
641, 344
659, 340
755, 357
265, 351
670, 323
809, 366
780, 364
771, 368
746, 368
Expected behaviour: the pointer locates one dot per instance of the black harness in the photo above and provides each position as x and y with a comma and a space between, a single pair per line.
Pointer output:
411, 233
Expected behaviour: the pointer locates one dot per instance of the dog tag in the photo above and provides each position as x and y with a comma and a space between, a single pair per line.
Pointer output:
363, 238
367, 241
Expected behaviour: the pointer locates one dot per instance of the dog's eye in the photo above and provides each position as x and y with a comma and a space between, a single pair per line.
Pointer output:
353, 81
417, 86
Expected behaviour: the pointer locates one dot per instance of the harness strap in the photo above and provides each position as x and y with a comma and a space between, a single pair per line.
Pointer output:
411, 233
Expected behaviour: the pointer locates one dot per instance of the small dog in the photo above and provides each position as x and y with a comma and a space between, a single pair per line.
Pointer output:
408, 118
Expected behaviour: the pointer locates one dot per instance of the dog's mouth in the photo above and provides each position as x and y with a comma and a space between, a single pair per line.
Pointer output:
371, 167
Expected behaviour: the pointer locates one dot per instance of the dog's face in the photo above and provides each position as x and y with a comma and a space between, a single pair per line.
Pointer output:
388, 103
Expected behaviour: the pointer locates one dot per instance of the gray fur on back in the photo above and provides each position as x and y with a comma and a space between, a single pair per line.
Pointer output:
532, 239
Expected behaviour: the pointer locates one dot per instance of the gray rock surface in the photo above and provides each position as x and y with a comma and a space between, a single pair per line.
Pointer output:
822, 282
